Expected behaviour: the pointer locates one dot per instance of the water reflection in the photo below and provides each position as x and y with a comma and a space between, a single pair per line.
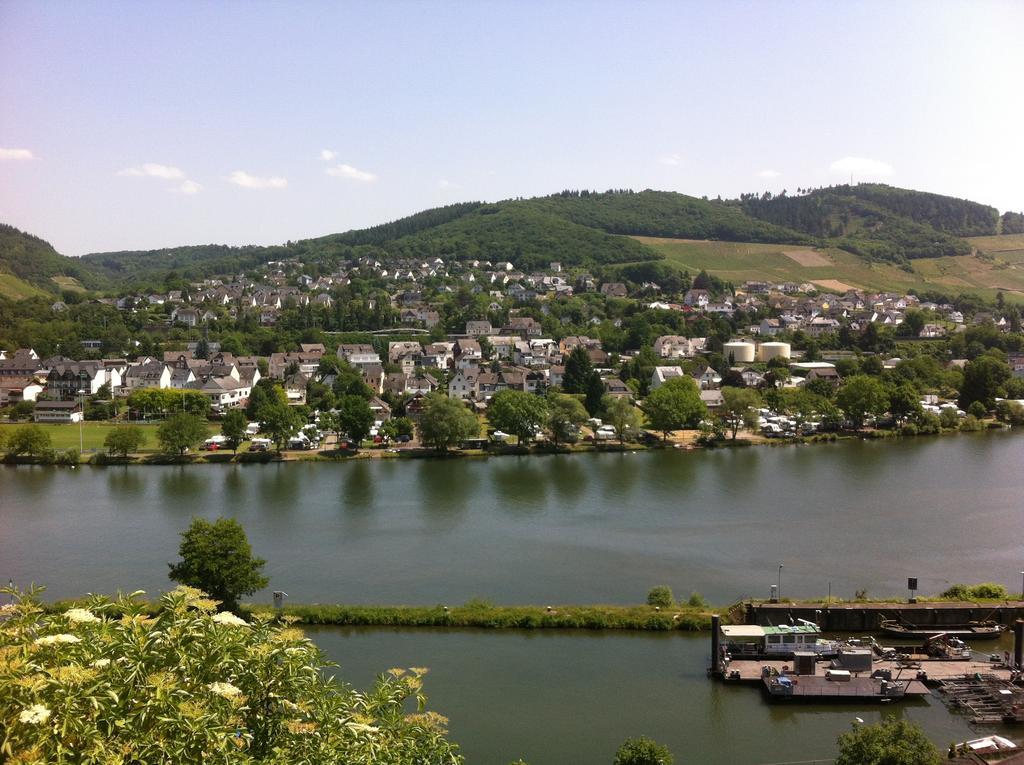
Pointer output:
569, 479
125, 482
446, 488
183, 489
521, 482
357, 488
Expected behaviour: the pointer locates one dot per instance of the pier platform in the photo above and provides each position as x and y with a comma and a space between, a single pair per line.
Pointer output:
750, 670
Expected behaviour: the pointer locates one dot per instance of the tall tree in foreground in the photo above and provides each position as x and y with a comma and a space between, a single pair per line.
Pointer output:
577, 371
739, 408
180, 433
890, 742
565, 415
622, 416
233, 428
673, 405
446, 422
124, 440
217, 559
517, 412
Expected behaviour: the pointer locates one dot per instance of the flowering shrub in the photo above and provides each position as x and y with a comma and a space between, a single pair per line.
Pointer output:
109, 683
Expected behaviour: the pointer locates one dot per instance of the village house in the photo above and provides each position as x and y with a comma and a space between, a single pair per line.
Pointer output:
467, 353
465, 384
524, 326
359, 355
153, 374
678, 347
57, 411
707, 378
478, 328
14, 390
614, 289
661, 375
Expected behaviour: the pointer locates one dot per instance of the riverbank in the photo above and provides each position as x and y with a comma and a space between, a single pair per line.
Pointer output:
857, 617
681, 440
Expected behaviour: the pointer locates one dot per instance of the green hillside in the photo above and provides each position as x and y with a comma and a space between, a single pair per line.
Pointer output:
29, 264
872, 223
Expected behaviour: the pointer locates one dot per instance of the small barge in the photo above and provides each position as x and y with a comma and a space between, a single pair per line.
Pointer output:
750, 641
987, 630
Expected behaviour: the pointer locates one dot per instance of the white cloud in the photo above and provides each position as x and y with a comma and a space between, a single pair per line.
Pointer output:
327, 155
860, 166
246, 181
347, 171
672, 160
189, 187
769, 174
16, 154
154, 170
445, 185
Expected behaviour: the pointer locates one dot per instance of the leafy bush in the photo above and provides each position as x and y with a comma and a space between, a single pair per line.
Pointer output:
660, 596
983, 591
1010, 412
642, 751
970, 423
949, 418
113, 683
977, 409
67, 457
696, 601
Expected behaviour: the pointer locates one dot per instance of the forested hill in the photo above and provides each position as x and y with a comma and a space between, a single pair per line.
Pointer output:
33, 260
878, 221
581, 229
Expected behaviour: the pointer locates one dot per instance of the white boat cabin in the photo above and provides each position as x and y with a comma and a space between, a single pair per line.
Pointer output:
783, 640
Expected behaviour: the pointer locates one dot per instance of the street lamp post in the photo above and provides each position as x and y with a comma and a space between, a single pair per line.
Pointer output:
779, 591
81, 420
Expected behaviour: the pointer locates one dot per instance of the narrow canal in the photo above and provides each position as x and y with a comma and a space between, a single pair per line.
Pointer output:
558, 697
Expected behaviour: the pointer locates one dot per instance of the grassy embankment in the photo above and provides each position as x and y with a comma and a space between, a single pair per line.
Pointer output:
66, 435
1000, 266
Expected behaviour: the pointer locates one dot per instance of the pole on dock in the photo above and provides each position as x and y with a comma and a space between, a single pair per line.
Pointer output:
1018, 643
716, 651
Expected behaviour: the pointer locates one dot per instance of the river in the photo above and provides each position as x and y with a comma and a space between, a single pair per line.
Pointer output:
561, 529
590, 528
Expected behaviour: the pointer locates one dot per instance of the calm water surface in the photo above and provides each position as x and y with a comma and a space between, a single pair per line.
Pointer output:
579, 529
560, 529
558, 698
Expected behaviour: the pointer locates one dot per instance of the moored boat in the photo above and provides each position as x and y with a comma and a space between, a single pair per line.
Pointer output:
986, 630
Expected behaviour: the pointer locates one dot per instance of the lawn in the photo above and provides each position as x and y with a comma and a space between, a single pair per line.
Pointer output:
740, 261
92, 433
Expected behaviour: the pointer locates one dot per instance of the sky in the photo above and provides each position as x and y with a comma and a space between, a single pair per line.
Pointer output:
137, 125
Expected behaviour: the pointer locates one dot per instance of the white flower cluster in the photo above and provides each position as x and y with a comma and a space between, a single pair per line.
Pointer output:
228, 618
101, 663
82, 616
54, 639
34, 715
227, 690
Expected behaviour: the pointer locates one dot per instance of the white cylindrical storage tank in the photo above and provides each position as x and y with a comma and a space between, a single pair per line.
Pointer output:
741, 351
769, 351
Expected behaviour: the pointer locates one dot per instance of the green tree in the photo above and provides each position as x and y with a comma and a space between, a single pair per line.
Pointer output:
124, 440
266, 391
446, 422
861, 397
890, 742
233, 428
180, 433
739, 408
1010, 412
660, 596
594, 396
217, 559
904, 402
565, 415
30, 440
673, 405
642, 751
517, 412
349, 382
279, 422
577, 371
622, 416
355, 418
983, 380
397, 426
